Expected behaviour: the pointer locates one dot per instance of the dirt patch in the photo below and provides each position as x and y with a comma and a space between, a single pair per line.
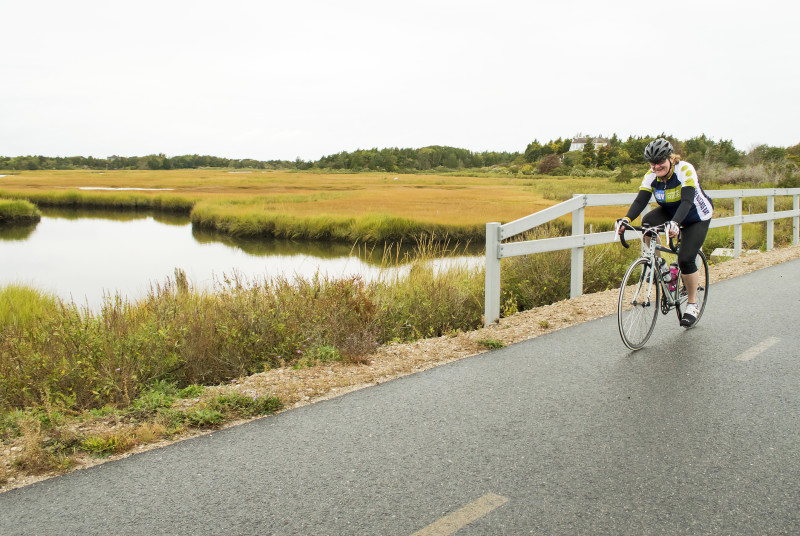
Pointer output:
301, 387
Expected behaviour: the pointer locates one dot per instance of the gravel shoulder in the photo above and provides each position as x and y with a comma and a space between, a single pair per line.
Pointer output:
301, 387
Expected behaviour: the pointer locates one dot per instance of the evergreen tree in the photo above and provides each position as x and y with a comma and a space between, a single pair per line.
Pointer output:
533, 151
589, 157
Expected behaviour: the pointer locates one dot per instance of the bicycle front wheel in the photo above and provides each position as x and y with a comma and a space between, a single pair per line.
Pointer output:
702, 289
638, 306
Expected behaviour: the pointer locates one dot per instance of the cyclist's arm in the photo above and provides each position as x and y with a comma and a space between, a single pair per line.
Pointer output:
687, 200
641, 201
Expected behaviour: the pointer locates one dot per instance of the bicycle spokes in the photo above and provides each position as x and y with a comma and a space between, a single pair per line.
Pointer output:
635, 310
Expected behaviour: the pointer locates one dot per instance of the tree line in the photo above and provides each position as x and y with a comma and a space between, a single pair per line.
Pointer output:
554, 157
390, 159
617, 153
153, 161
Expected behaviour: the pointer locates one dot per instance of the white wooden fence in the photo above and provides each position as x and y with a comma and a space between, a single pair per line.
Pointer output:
496, 233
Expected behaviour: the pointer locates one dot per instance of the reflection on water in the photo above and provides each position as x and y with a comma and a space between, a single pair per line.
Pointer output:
262, 248
84, 255
167, 218
16, 232
376, 255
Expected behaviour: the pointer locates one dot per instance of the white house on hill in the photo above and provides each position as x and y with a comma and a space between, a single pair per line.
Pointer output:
579, 142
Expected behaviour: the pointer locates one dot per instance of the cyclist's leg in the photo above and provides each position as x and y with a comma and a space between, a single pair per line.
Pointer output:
692, 238
657, 216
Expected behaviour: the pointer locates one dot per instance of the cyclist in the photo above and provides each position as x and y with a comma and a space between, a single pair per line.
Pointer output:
681, 201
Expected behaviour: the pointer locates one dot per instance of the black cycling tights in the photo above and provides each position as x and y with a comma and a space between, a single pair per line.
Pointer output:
692, 238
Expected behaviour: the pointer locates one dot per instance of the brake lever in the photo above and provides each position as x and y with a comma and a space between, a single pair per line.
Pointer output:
674, 247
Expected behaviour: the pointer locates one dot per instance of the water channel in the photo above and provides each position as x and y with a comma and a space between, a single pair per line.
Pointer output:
84, 255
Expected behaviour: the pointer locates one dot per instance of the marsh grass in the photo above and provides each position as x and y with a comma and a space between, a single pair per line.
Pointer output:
116, 200
266, 222
563, 188
17, 211
21, 305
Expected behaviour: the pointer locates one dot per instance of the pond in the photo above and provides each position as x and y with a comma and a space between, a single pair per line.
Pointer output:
83, 255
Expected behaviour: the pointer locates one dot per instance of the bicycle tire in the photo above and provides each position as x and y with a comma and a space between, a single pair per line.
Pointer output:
702, 291
638, 305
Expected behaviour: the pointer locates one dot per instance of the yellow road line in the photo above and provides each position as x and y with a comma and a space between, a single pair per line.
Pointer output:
459, 519
758, 349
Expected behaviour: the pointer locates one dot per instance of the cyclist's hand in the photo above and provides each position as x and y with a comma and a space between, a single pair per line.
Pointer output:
619, 226
673, 229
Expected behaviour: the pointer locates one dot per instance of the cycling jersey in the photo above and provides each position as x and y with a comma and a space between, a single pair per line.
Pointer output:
667, 192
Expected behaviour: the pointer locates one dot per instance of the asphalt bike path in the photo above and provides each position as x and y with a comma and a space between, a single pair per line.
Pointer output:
568, 433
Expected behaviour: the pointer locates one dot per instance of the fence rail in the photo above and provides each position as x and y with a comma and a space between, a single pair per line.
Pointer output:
496, 233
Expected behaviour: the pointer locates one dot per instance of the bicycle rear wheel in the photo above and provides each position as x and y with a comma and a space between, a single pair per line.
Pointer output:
702, 289
638, 306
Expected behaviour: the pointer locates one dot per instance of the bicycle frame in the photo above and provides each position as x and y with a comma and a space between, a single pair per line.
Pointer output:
648, 252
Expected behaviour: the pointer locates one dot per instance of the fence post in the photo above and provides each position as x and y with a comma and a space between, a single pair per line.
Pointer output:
770, 222
491, 293
576, 267
796, 221
737, 229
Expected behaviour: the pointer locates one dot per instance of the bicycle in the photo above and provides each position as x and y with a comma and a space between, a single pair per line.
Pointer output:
644, 291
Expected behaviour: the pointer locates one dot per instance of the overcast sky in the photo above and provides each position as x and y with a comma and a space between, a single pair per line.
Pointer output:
280, 79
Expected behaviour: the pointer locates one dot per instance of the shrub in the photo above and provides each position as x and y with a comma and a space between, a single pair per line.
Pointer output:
549, 164
625, 176
792, 181
578, 170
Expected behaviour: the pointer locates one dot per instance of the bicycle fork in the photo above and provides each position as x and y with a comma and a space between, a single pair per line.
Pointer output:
669, 298
647, 282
